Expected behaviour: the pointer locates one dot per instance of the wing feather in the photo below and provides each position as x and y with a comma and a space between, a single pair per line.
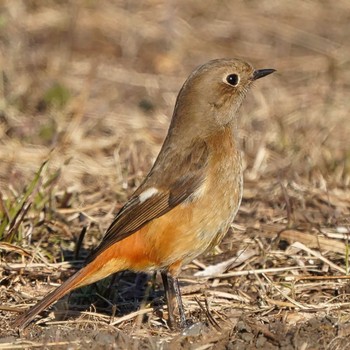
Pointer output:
136, 213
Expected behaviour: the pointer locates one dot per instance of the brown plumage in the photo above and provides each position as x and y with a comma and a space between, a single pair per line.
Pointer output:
189, 198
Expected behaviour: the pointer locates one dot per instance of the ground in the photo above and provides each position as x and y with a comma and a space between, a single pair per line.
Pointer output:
86, 95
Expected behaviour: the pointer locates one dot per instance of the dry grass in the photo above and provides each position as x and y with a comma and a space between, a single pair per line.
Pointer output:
86, 94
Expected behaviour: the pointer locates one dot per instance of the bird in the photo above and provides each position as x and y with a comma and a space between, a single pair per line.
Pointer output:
189, 198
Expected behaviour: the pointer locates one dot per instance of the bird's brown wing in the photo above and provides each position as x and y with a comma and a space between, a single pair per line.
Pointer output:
188, 173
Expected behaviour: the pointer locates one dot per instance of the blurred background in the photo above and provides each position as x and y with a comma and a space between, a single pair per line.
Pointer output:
89, 86
94, 83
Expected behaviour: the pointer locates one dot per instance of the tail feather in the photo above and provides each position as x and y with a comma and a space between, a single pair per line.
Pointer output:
103, 266
72, 283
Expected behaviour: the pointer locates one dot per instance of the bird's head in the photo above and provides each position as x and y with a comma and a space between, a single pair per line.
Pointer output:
213, 93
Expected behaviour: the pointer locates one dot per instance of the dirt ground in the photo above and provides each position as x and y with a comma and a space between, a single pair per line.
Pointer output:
87, 90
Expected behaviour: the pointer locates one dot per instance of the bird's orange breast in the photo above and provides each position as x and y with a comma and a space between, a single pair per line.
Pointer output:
189, 229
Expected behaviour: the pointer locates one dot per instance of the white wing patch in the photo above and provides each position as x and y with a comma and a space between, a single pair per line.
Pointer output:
143, 196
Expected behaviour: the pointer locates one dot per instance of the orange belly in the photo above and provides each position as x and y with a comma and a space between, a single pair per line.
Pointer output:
157, 245
187, 230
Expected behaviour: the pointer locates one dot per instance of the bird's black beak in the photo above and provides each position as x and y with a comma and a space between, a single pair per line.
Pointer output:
262, 73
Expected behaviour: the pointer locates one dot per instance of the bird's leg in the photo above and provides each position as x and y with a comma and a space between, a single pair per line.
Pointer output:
170, 299
175, 286
172, 293
171, 285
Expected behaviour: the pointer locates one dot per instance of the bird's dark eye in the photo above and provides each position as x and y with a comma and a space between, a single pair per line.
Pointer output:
232, 79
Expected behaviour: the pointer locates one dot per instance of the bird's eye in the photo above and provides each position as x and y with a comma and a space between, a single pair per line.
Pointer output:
233, 79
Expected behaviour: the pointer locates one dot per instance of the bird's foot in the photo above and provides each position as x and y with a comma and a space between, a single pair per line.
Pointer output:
193, 329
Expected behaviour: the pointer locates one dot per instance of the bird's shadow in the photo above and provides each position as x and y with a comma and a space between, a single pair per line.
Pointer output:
117, 295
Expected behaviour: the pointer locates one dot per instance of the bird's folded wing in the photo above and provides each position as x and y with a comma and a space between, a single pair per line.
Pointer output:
154, 202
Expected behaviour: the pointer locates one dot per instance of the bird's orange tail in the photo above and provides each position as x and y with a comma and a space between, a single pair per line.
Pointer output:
72, 283
87, 275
